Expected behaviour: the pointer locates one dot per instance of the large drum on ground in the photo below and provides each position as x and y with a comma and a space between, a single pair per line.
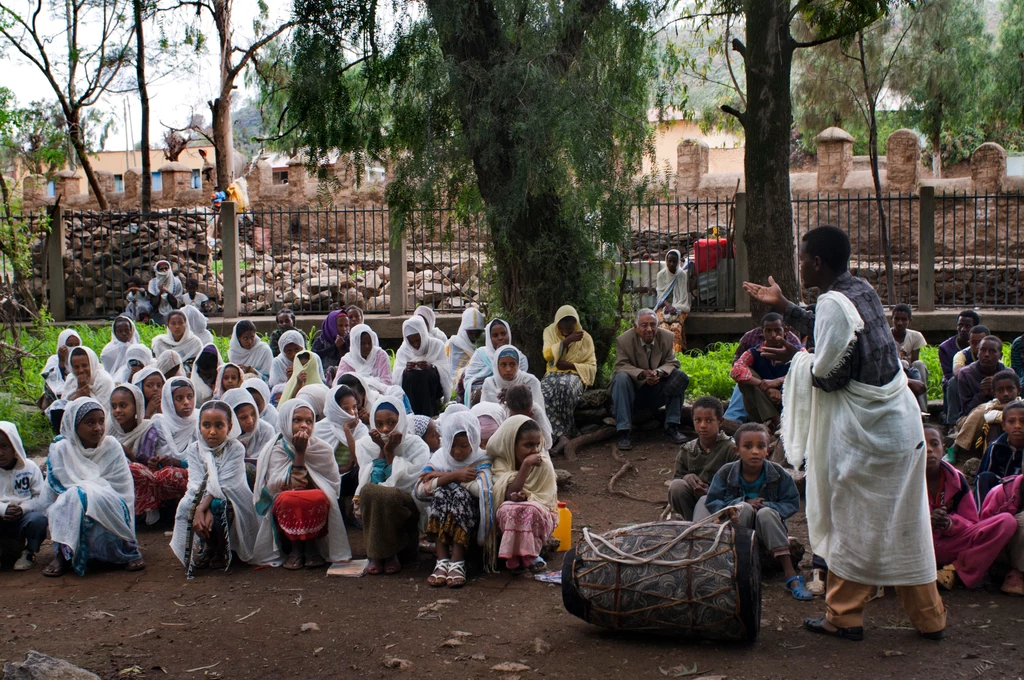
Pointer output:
694, 580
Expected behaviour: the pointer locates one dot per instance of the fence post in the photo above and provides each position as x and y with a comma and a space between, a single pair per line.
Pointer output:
229, 254
742, 268
926, 251
55, 265
399, 267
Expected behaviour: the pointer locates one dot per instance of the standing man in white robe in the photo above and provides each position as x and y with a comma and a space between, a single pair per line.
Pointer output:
849, 412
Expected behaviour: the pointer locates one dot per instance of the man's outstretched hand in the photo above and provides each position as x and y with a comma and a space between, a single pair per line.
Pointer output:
782, 355
770, 295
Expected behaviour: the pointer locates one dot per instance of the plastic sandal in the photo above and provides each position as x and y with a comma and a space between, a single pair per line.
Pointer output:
295, 562
1014, 583
817, 585
946, 577
440, 575
539, 566
799, 590
456, 574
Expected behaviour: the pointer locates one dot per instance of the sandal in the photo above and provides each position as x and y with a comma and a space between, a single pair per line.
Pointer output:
456, 574
58, 567
295, 562
392, 566
799, 588
136, 565
1014, 583
539, 566
817, 585
374, 568
440, 575
817, 625
946, 577
315, 561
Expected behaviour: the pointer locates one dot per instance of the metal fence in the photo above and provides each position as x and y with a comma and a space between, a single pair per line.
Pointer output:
448, 257
857, 215
104, 250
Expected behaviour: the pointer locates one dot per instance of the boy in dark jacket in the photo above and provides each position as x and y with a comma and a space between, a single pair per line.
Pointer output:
765, 495
1005, 456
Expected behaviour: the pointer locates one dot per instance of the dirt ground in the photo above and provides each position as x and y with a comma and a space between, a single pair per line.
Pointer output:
248, 623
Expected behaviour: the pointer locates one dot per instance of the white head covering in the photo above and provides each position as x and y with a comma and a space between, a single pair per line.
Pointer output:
139, 353
431, 320
101, 474
316, 396
279, 368
187, 348
51, 371
11, 430
167, 360
259, 357
203, 391
431, 350
198, 322
219, 390
141, 376
177, 432
410, 455
354, 357
113, 355
680, 296
332, 428
457, 423
369, 390
472, 320
481, 366
129, 440
269, 413
100, 382
262, 435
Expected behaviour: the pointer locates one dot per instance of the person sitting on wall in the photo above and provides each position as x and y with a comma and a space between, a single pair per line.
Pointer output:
192, 296
910, 343
759, 378
961, 360
951, 346
647, 371
675, 283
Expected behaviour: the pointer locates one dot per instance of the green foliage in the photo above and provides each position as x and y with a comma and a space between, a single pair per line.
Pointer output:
709, 371
1007, 95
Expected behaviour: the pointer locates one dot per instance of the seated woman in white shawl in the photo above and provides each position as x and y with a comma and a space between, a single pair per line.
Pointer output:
291, 343
296, 494
249, 352
674, 283
509, 375
260, 393
58, 367
122, 336
256, 434
164, 289
205, 371
180, 338
229, 377
490, 415
215, 517
463, 345
170, 364
481, 366
159, 468
90, 494
430, 319
128, 425
307, 371
390, 458
151, 381
340, 429
198, 322
457, 485
366, 359
136, 358
421, 369
88, 378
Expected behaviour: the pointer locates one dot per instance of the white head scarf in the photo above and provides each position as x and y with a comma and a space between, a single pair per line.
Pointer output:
472, 320
262, 434
410, 455
431, 350
269, 413
187, 348
431, 320
141, 376
354, 357
332, 428
457, 423
481, 366
100, 382
113, 356
164, 280
11, 430
177, 432
259, 357
316, 396
139, 353
219, 390
52, 371
665, 278
279, 368
167, 360
198, 322
129, 440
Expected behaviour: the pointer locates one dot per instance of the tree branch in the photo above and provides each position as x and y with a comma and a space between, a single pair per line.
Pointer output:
741, 116
738, 46
255, 47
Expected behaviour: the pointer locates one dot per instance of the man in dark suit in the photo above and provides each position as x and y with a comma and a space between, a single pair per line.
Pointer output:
646, 369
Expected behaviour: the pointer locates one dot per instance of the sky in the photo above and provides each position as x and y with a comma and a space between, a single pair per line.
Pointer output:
173, 97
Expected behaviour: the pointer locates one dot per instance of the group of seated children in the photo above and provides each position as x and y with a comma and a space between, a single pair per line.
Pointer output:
266, 458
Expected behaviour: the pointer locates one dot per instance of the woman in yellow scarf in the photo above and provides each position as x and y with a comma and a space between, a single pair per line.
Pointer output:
571, 368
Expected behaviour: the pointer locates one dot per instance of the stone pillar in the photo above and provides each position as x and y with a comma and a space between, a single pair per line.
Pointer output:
297, 177
835, 158
67, 184
926, 259
399, 267
133, 187
105, 179
229, 250
692, 158
55, 264
988, 168
260, 177
175, 177
739, 244
34, 190
903, 160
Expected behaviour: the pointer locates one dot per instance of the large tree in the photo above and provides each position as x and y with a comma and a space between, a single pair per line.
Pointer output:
534, 111
1008, 100
80, 63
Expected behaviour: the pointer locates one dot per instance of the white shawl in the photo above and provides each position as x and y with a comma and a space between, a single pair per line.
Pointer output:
431, 320
867, 502
441, 461
279, 367
129, 440
100, 477
481, 366
219, 390
188, 347
410, 455
223, 470
52, 370
460, 348
114, 353
139, 353
262, 435
495, 385
260, 357
431, 350
165, 280
272, 474
680, 296
269, 413
100, 382
176, 432
198, 322
364, 368
331, 430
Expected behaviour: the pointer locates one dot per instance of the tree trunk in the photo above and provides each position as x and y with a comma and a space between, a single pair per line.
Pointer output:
937, 154
767, 122
146, 200
78, 142
222, 135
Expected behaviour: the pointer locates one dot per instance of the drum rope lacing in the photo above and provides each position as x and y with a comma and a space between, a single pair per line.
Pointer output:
628, 559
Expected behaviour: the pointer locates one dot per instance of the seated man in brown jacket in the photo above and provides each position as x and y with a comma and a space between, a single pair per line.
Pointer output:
647, 371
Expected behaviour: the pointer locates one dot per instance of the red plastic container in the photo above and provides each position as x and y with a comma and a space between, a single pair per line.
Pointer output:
707, 252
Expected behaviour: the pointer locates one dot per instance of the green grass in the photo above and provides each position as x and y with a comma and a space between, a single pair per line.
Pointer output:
19, 391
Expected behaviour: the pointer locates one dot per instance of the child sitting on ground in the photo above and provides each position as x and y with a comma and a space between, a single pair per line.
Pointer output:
765, 495
984, 424
519, 401
22, 503
230, 377
965, 544
285, 323
456, 482
699, 460
139, 308
1005, 455
1007, 499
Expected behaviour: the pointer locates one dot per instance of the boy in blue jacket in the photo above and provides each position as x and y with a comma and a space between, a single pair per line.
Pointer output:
765, 495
